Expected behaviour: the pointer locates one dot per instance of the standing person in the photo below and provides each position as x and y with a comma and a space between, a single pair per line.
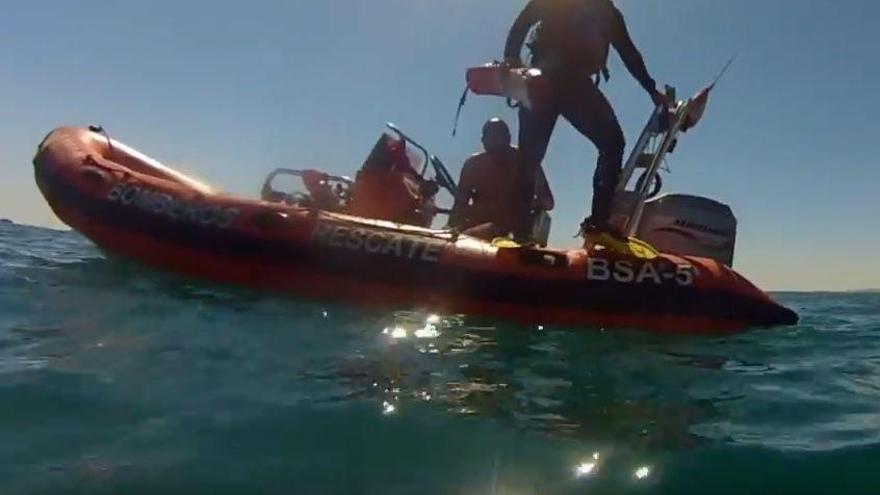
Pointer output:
571, 47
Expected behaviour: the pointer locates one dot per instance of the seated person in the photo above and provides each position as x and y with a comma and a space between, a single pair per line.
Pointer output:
388, 188
318, 185
484, 205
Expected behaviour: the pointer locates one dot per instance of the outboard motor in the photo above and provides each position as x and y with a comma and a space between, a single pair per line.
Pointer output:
689, 225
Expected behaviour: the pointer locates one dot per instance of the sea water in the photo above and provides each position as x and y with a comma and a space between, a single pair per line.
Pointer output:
117, 379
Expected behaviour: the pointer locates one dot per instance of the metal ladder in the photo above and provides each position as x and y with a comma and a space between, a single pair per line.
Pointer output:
658, 139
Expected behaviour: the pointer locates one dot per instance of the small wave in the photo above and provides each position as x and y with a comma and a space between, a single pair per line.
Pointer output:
23, 247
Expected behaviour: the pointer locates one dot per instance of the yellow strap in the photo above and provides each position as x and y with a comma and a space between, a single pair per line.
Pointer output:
504, 243
632, 247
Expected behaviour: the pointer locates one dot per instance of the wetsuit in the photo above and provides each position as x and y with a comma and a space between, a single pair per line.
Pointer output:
572, 44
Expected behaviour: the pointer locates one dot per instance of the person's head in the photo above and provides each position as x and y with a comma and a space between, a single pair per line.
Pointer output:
496, 136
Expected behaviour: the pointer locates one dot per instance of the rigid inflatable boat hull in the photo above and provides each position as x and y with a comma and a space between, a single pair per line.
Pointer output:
132, 206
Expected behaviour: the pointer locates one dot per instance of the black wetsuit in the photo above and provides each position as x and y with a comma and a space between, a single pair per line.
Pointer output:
571, 47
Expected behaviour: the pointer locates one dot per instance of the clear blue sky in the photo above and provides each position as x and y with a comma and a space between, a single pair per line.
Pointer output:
229, 90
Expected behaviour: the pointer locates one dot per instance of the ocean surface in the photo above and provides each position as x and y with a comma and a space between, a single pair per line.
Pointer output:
116, 379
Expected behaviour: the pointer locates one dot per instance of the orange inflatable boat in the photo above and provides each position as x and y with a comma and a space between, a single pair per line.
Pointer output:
133, 206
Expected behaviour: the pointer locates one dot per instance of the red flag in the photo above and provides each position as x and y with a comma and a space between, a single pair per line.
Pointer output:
697, 104
697, 108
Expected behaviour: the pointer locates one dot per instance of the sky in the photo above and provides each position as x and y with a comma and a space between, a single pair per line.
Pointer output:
229, 90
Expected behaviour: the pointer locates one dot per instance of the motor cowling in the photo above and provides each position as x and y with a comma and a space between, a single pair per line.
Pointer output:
689, 225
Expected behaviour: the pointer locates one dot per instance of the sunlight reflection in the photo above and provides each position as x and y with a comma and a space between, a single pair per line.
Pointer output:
585, 469
642, 472
428, 332
396, 332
